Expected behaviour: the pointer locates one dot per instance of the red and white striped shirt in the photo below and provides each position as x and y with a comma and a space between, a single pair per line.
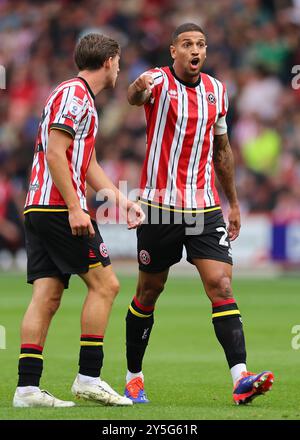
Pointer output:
182, 119
70, 108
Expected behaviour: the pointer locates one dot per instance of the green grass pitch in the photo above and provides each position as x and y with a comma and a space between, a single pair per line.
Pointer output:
187, 377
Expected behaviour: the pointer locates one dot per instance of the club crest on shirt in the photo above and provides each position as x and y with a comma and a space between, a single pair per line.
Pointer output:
211, 99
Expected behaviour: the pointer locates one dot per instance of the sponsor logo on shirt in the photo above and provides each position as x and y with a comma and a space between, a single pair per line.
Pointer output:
76, 121
75, 106
34, 187
173, 94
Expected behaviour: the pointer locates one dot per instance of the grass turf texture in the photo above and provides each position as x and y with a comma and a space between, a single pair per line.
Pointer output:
187, 377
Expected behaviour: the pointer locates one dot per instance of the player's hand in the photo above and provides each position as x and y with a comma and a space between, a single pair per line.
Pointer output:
234, 220
143, 83
135, 215
80, 222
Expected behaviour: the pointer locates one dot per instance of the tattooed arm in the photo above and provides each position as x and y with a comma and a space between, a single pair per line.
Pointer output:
224, 167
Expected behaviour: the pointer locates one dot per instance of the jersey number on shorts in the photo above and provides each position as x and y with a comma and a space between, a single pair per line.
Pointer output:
223, 241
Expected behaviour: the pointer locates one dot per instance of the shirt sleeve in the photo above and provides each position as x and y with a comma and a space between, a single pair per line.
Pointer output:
220, 125
69, 108
158, 78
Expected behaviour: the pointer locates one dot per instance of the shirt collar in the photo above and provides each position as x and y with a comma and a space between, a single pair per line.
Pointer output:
87, 86
187, 84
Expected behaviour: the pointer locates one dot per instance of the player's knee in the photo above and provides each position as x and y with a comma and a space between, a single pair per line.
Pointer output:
114, 287
51, 305
108, 290
220, 288
148, 292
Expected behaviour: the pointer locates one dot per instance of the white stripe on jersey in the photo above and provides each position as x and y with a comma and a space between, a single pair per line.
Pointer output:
218, 94
175, 151
48, 186
157, 77
44, 137
75, 83
67, 97
226, 101
218, 89
44, 140
37, 165
193, 167
48, 182
96, 123
78, 151
208, 194
155, 148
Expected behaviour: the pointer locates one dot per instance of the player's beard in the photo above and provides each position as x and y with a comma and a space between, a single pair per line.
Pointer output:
193, 74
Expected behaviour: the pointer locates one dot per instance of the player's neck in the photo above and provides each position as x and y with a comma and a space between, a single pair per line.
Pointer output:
182, 76
95, 81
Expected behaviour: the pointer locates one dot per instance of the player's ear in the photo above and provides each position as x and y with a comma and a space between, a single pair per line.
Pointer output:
173, 51
108, 63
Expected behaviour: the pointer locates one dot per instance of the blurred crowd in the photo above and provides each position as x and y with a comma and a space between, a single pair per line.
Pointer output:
252, 47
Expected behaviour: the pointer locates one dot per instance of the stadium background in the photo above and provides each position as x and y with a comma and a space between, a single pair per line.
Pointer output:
252, 47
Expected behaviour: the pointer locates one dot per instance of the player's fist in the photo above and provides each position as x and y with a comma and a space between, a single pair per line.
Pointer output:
143, 83
135, 215
234, 222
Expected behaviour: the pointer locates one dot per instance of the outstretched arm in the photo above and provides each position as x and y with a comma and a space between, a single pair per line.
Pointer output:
139, 91
224, 167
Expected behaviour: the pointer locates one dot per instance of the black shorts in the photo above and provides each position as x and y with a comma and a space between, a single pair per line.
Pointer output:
52, 250
161, 240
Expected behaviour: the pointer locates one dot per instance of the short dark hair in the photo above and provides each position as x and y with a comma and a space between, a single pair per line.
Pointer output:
93, 50
186, 27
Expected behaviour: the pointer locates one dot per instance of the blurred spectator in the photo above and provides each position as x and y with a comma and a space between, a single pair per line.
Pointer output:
261, 151
11, 236
260, 94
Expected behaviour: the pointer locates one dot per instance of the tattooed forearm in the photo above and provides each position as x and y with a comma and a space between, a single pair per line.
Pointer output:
224, 167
